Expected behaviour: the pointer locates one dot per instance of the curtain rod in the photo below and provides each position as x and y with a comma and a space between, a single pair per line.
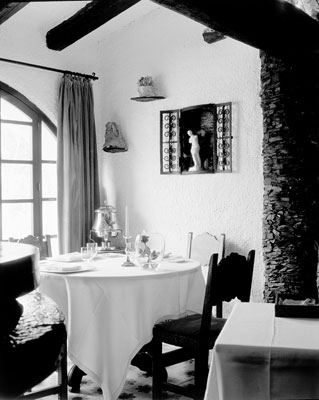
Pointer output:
50, 69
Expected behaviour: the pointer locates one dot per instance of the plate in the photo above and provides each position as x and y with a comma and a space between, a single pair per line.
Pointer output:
176, 259
112, 255
65, 270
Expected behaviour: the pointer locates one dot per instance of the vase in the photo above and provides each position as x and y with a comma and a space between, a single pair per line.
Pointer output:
149, 249
146, 91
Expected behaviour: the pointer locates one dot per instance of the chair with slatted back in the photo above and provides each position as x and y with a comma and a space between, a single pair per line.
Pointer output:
195, 335
202, 246
44, 244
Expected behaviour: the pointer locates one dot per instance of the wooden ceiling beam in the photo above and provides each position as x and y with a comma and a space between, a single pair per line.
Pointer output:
86, 20
275, 26
8, 9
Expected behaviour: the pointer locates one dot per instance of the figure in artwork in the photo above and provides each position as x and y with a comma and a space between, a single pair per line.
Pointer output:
195, 147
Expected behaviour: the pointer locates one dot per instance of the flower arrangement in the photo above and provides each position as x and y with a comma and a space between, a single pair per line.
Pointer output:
145, 251
149, 249
145, 81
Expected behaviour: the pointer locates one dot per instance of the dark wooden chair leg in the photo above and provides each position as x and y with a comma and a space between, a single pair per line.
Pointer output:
74, 378
201, 373
157, 368
63, 375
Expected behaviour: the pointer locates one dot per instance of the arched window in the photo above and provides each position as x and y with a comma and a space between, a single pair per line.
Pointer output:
28, 179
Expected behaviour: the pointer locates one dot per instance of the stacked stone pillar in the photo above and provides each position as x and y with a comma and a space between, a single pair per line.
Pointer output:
290, 104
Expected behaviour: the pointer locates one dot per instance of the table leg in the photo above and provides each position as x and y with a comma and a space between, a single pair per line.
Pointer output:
144, 361
74, 378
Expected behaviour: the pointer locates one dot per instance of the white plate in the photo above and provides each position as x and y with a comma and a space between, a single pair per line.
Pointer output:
58, 270
112, 255
176, 259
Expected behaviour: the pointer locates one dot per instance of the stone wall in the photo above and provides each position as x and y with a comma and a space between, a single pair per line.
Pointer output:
290, 103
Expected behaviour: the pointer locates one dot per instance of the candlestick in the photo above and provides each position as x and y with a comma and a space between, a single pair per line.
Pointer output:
127, 262
126, 222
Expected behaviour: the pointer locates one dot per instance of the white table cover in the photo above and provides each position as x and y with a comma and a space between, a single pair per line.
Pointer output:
112, 309
260, 357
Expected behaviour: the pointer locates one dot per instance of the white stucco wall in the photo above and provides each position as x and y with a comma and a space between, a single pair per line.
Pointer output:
187, 71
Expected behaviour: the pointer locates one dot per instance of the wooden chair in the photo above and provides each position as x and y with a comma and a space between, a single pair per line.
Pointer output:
195, 334
33, 336
44, 244
42, 352
202, 246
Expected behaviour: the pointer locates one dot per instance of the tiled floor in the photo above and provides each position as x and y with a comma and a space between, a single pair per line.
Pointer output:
138, 384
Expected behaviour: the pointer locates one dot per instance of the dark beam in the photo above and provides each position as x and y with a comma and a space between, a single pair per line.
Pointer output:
86, 20
275, 26
8, 9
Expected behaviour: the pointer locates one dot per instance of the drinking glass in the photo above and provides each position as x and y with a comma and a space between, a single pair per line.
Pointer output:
93, 247
86, 254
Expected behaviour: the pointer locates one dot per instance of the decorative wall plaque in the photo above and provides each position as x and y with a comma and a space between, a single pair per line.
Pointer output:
196, 139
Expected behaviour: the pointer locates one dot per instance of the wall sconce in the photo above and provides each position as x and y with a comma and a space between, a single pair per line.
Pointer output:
114, 141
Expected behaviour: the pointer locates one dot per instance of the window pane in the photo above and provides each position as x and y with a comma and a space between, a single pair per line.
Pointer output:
16, 142
13, 113
17, 220
16, 181
49, 217
49, 180
49, 145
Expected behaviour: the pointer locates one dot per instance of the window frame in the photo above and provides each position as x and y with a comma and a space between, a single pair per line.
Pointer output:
38, 117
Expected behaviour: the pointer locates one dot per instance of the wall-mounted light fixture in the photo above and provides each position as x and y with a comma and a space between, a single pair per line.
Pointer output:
114, 141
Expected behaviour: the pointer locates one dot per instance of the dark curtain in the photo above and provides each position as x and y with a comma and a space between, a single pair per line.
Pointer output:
78, 185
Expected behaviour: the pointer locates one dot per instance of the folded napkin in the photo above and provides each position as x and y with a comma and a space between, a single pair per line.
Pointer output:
68, 257
59, 267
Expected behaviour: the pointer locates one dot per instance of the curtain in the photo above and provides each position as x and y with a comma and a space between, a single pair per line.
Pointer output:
78, 188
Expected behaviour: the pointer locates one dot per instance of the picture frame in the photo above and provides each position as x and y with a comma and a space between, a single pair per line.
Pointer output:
196, 140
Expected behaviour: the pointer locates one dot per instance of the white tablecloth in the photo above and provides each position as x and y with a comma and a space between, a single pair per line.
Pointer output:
260, 357
111, 311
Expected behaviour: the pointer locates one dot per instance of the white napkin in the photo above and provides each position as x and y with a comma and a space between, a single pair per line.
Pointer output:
59, 267
68, 257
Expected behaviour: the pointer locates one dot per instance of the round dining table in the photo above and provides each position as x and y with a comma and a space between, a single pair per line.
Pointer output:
111, 309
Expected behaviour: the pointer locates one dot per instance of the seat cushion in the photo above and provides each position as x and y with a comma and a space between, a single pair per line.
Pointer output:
185, 331
32, 350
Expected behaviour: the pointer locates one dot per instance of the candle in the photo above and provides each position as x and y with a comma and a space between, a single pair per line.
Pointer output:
126, 222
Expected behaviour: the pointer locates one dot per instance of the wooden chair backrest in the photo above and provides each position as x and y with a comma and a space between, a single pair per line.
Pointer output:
230, 278
202, 246
44, 245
